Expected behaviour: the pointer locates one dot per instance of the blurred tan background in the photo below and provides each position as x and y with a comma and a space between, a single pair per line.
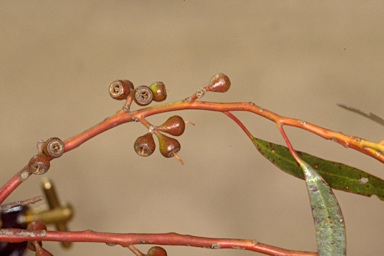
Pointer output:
297, 58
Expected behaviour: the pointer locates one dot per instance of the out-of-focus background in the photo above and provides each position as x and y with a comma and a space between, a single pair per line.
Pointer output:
296, 58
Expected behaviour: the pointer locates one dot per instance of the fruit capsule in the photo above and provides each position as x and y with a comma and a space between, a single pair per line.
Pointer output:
145, 145
157, 251
53, 147
120, 89
35, 225
174, 125
159, 91
39, 164
143, 95
168, 146
218, 83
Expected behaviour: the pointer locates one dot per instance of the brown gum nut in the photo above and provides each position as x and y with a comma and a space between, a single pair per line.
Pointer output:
39, 164
143, 95
218, 83
145, 145
53, 147
174, 125
159, 91
120, 89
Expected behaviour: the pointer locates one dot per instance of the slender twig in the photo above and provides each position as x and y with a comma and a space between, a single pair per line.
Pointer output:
13, 183
372, 149
135, 250
125, 240
369, 148
375, 150
239, 123
32, 200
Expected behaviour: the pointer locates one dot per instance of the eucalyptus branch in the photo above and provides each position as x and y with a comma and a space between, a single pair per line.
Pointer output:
369, 148
169, 147
126, 240
28, 201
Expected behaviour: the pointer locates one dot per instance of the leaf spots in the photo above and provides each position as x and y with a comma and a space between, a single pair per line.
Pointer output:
363, 180
313, 188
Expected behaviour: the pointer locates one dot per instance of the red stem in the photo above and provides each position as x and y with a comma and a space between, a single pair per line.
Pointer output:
372, 149
13, 183
125, 240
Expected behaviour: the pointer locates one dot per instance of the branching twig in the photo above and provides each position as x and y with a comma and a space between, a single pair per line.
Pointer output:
32, 200
375, 150
125, 240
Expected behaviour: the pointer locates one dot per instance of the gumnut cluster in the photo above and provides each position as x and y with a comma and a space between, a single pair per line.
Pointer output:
175, 125
142, 95
168, 146
51, 148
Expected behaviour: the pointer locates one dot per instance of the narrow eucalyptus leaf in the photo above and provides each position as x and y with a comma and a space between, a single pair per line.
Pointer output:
339, 176
370, 116
326, 212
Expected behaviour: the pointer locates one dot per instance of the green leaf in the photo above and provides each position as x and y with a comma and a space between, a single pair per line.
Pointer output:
326, 212
339, 176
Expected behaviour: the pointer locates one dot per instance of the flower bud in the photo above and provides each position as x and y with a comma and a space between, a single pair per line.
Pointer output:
218, 83
159, 91
174, 125
168, 146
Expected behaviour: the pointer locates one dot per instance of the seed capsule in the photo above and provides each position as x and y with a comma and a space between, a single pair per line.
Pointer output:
157, 251
53, 147
120, 89
159, 91
168, 146
174, 125
33, 226
218, 83
145, 145
143, 95
39, 164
